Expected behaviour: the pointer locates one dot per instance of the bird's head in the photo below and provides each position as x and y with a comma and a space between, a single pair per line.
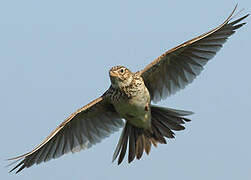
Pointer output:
120, 76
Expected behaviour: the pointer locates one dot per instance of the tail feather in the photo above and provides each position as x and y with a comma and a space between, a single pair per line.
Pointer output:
139, 147
120, 143
163, 121
132, 145
147, 145
171, 124
165, 131
124, 145
171, 112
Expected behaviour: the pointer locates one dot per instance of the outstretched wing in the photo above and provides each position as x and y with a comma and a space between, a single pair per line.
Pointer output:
179, 66
87, 126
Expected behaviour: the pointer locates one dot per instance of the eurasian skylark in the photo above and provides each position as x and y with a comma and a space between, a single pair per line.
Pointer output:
129, 97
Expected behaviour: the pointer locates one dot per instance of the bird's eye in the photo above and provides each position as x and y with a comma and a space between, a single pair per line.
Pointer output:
122, 70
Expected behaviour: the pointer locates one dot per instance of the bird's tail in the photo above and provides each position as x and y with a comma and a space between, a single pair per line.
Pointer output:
163, 121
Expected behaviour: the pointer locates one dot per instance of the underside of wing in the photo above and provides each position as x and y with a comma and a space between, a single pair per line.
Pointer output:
84, 128
179, 66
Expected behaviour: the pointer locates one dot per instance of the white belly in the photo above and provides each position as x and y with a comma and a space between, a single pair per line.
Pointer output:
136, 110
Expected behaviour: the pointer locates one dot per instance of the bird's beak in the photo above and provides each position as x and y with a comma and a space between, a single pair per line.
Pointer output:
112, 74
113, 77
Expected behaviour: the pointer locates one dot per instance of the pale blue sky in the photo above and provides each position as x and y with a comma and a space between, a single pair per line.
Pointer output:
55, 57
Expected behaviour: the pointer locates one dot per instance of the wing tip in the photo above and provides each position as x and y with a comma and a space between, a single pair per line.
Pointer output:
16, 160
22, 164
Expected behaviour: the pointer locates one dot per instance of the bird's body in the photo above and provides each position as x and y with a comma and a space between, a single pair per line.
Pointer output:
129, 97
131, 101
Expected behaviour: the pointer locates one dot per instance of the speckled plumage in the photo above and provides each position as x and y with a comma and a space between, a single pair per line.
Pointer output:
131, 100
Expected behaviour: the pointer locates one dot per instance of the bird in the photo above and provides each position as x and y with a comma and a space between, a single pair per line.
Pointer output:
128, 103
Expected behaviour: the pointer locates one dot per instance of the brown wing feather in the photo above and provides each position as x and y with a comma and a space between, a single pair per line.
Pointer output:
85, 127
179, 66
